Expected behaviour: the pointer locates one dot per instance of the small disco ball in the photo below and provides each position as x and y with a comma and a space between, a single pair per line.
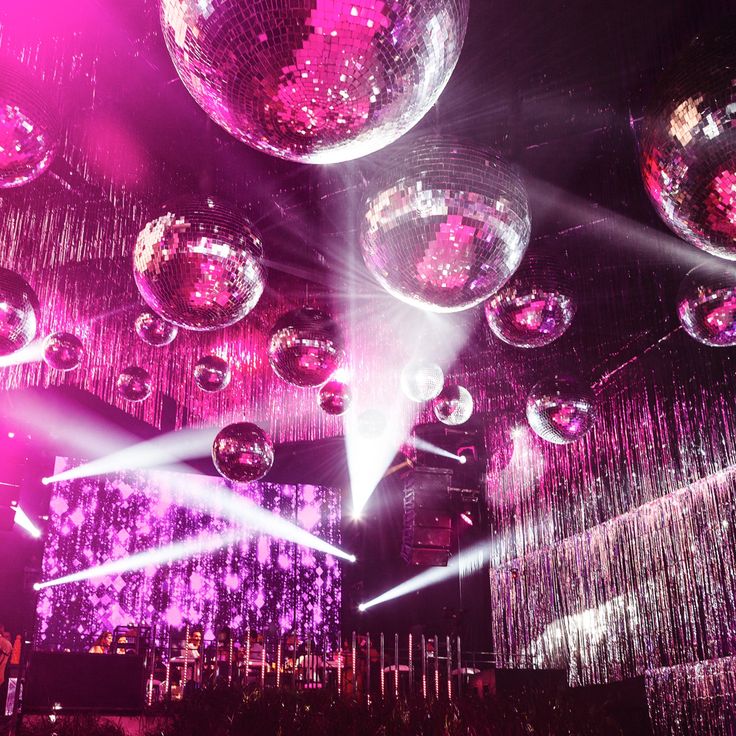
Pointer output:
155, 330
422, 381
18, 312
199, 265
534, 308
315, 81
306, 347
706, 305
212, 373
28, 130
688, 144
242, 452
63, 351
134, 383
335, 397
560, 409
454, 405
445, 226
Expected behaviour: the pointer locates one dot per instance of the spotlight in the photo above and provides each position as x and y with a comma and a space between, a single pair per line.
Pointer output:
361, 607
466, 518
11, 435
352, 558
462, 459
36, 586
517, 433
45, 481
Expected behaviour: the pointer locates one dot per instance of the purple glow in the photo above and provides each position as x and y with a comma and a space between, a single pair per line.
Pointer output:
258, 582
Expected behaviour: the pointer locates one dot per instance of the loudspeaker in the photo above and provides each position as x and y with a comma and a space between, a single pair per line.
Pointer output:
63, 682
427, 519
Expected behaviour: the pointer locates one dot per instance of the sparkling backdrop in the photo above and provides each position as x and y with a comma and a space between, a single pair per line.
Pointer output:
310, 81
259, 583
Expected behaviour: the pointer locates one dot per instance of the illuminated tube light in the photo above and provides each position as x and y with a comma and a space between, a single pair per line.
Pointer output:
465, 563
22, 520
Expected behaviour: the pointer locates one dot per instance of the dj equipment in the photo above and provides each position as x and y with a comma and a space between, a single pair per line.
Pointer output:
62, 682
427, 517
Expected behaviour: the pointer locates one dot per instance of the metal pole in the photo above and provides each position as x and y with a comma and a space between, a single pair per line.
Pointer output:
424, 667
383, 674
449, 667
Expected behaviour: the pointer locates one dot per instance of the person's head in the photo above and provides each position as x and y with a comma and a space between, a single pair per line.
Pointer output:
223, 635
195, 638
105, 639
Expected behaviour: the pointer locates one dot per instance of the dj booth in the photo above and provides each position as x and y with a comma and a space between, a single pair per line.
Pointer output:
73, 682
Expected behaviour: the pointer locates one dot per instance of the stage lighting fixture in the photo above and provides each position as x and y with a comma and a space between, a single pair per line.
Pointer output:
467, 518
462, 459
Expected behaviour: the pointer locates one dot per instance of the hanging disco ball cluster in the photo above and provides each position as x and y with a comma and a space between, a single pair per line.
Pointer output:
688, 145
316, 81
18, 312
198, 265
28, 128
445, 226
535, 307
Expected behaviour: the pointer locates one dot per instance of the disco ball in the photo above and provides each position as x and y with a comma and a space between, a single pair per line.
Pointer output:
212, 373
199, 265
688, 145
18, 307
422, 381
306, 347
63, 351
445, 226
335, 397
560, 409
534, 308
134, 383
242, 452
454, 405
706, 305
155, 330
316, 81
28, 131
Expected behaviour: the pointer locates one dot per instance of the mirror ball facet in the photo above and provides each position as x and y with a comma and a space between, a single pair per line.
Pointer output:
534, 308
306, 347
561, 409
28, 130
155, 330
316, 81
212, 373
454, 405
134, 383
63, 351
242, 452
199, 265
688, 144
422, 381
18, 307
335, 397
706, 306
445, 226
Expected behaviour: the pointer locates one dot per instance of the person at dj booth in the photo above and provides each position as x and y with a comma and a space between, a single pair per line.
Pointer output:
102, 644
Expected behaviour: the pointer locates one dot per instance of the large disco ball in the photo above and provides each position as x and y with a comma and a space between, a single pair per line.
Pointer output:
63, 351
335, 397
454, 405
155, 330
212, 373
688, 144
706, 305
306, 347
560, 409
242, 452
28, 128
422, 381
18, 312
317, 81
134, 383
445, 226
534, 308
198, 265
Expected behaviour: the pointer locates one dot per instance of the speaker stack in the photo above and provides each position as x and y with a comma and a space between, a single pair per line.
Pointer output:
427, 517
